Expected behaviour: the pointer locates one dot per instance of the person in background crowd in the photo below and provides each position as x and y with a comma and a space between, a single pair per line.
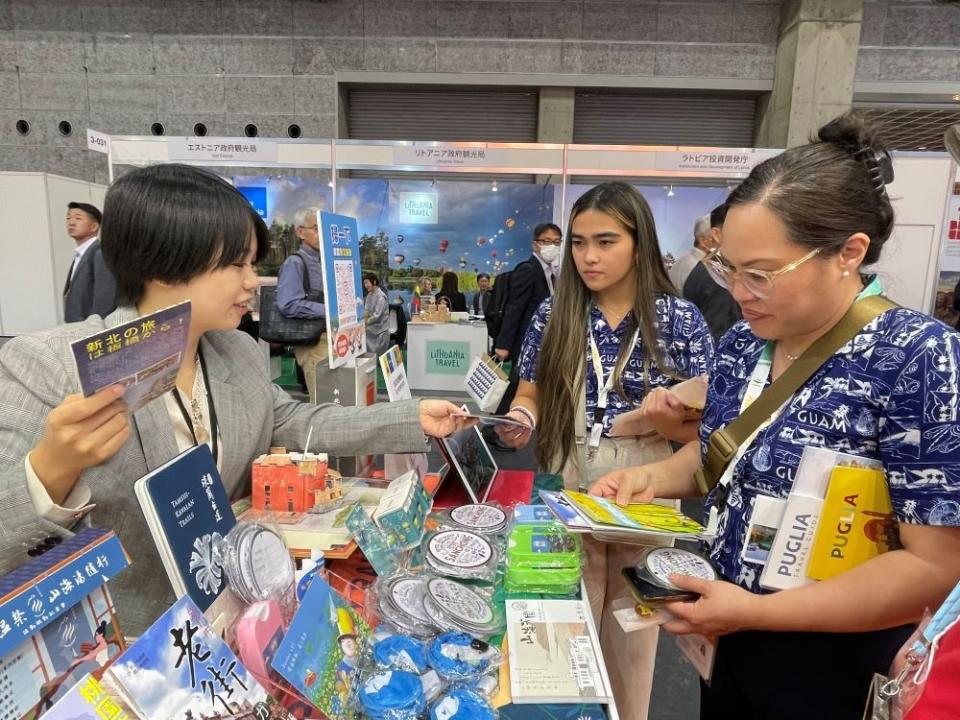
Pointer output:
300, 295
715, 302
450, 293
531, 282
426, 286
612, 333
798, 233
703, 242
376, 315
482, 296
90, 288
423, 288
171, 233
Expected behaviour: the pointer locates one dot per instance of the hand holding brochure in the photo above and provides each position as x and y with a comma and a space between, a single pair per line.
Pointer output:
491, 419
604, 517
143, 355
692, 393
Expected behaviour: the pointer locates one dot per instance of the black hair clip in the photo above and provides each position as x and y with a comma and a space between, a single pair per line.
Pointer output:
879, 165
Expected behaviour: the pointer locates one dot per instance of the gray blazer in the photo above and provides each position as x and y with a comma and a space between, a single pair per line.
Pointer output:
37, 372
92, 290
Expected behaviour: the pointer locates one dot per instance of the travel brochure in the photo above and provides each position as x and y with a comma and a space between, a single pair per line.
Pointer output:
580, 512
187, 512
143, 355
181, 668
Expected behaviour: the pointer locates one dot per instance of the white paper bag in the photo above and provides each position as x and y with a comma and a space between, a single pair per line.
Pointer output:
486, 382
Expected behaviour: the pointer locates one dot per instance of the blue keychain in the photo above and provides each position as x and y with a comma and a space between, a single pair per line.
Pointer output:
458, 656
401, 652
393, 695
462, 704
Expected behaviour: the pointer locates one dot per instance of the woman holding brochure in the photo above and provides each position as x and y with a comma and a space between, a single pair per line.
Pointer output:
171, 233
799, 231
613, 332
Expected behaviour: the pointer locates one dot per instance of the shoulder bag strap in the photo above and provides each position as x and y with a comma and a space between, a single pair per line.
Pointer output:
724, 442
306, 273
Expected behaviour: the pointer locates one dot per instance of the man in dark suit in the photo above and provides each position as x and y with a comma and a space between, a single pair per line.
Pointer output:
482, 296
90, 288
716, 303
531, 282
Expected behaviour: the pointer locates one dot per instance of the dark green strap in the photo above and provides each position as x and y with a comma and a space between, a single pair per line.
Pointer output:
724, 442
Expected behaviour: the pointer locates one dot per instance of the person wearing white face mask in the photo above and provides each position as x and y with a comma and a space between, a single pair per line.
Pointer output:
531, 282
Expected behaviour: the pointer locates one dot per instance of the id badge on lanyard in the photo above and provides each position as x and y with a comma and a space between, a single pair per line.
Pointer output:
603, 390
758, 381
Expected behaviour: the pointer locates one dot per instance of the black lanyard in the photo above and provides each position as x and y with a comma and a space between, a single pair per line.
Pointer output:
210, 406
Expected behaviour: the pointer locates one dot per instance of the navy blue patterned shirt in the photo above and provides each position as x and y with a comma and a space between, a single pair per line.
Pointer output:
891, 393
685, 344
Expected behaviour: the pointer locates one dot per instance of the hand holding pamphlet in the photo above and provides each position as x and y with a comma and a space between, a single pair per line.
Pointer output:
692, 393
602, 517
142, 355
482, 419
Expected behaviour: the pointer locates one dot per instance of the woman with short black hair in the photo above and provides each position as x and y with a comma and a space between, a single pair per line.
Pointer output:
171, 233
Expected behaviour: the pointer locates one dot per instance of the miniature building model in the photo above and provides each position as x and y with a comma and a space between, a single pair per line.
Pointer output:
293, 482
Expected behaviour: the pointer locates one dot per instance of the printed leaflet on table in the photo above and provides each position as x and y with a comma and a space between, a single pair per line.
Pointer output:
553, 653
180, 668
321, 649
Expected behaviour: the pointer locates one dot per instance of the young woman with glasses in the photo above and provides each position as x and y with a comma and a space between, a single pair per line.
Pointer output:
799, 232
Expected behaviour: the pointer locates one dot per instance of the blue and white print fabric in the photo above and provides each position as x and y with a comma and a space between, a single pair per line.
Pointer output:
685, 344
890, 393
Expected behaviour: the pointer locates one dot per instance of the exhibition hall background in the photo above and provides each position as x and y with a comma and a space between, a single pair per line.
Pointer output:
563, 71
470, 227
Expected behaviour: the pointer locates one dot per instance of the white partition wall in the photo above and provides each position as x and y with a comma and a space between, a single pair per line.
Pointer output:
909, 266
35, 247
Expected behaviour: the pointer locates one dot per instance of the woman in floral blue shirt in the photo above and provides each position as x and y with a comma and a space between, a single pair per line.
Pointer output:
798, 232
613, 336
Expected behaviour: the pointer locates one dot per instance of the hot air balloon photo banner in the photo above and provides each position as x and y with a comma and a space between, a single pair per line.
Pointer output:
342, 287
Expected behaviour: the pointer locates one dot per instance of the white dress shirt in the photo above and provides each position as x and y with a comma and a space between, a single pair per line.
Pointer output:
79, 253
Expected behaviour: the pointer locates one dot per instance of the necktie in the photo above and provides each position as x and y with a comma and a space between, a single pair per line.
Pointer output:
66, 285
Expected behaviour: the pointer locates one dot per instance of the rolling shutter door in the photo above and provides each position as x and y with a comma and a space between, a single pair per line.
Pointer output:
443, 114
614, 118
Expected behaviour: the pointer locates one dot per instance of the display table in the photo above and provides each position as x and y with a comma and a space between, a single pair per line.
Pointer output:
439, 354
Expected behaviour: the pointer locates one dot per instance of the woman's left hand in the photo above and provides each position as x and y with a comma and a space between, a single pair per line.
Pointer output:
439, 418
722, 608
664, 412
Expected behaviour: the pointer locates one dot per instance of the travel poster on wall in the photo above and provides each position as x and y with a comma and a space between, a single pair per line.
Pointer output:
342, 287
